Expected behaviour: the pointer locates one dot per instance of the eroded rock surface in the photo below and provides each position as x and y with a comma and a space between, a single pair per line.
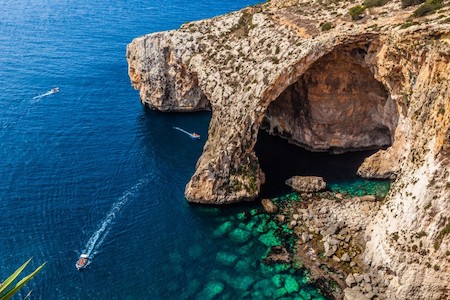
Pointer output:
272, 66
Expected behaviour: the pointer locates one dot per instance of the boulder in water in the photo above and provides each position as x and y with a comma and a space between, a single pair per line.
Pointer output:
306, 183
269, 206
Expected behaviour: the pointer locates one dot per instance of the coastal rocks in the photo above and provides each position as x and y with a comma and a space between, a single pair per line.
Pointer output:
329, 230
269, 206
271, 66
306, 183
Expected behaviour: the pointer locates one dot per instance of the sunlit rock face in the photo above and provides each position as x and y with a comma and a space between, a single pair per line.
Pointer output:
361, 84
336, 105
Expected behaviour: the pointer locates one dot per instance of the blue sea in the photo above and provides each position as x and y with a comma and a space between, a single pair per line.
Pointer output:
88, 169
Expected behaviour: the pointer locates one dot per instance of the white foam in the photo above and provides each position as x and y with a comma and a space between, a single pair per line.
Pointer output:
98, 237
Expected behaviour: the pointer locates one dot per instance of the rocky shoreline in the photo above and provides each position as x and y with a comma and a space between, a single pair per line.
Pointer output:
329, 229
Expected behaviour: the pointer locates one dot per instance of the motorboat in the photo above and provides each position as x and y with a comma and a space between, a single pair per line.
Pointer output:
54, 90
82, 261
192, 135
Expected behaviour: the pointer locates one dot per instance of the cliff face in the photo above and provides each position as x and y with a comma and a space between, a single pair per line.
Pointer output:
361, 84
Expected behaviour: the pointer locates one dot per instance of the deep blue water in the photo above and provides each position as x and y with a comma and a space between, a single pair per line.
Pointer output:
88, 169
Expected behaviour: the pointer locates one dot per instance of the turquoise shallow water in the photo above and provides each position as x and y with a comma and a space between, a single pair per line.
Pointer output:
88, 169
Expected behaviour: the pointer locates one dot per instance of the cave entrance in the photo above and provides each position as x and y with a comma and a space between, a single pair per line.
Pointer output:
337, 106
281, 160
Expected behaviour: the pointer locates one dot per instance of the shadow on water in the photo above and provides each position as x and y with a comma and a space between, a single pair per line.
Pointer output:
281, 160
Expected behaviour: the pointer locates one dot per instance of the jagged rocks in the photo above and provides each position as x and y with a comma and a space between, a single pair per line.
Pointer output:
306, 183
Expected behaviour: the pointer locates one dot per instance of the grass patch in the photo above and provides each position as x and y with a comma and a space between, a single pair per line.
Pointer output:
244, 25
356, 12
421, 234
326, 26
408, 24
441, 235
427, 8
407, 3
374, 3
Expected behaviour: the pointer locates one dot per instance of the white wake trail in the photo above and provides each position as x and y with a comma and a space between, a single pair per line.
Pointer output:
97, 238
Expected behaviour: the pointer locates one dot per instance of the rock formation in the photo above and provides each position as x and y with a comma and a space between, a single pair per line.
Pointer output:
306, 183
307, 72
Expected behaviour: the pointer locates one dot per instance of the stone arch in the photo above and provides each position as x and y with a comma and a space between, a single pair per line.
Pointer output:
332, 102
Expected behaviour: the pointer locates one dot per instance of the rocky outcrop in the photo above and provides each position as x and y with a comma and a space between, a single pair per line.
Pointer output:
382, 81
164, 83
306, 183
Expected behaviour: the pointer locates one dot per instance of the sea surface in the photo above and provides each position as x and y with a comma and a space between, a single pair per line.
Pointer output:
88, 169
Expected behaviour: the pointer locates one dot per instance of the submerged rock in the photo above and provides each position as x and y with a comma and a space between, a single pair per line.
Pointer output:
240, 235
277, 254
270, 239
212, 290
226, 258
242, 283
291, 285
306, 183
223, 229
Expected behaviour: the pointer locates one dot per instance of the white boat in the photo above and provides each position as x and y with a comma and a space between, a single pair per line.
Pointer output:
192, 135
82, 262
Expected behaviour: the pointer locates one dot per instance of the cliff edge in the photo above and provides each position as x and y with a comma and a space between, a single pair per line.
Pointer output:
327, 76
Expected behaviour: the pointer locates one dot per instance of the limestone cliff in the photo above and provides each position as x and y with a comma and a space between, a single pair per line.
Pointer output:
304, 70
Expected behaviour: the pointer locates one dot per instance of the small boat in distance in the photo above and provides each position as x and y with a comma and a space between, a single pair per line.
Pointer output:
82, 262
192, 135
51, 92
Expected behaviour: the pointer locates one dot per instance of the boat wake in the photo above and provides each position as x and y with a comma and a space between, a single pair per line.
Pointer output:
96, 240
21, 110
192, 135
51, 92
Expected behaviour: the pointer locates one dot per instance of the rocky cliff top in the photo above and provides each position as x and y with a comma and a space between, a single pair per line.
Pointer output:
328, 76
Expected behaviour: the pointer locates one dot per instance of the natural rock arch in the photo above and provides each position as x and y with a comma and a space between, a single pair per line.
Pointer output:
336, 105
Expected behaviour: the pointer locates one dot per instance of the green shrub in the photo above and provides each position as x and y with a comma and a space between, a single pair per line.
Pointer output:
374, 3
408, 24
407, 3
441, 235
427, 8
326, 26
421, 234
356, 12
